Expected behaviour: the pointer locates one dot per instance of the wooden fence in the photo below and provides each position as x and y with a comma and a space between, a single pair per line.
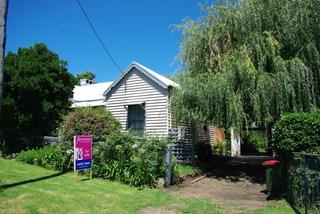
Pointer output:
183, 141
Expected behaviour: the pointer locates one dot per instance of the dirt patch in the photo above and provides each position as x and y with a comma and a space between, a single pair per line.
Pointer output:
242, 193
158, 210
233, 186
20, 199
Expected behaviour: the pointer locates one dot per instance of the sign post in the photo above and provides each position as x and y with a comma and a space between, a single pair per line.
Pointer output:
82, 153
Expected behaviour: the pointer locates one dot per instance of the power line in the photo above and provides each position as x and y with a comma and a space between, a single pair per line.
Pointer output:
98, 37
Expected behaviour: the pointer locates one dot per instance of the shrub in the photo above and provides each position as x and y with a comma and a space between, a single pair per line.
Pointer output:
88, 121
130, 159
125, 157
47, 157
148, 161
113, 157
297, 132
255, 141
219, 147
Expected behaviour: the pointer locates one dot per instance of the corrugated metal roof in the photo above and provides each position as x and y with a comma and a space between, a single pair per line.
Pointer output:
94, 94
159, 79
89, 95
155, 75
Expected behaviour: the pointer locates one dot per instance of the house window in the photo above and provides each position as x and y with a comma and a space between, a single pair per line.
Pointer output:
136, 117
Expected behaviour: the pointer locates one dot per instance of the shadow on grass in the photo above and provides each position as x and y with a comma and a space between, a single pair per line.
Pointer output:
84, 179
7, 186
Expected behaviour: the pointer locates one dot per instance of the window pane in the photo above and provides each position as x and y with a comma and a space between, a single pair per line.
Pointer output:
136, 117
141, 116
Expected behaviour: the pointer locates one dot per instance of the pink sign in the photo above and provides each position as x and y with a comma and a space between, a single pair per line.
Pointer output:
82, 152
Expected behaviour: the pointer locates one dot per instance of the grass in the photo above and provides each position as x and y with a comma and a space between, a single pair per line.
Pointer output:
278, 207
273, 207
184, 170
30, 189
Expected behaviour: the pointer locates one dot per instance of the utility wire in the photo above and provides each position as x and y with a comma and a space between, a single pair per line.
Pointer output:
98, 37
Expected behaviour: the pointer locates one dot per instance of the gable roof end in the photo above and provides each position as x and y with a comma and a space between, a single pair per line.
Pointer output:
157, 78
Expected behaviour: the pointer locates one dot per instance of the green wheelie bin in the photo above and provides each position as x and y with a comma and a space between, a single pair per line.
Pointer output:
272, 176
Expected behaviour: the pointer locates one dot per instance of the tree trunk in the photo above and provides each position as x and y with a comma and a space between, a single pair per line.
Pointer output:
3, 20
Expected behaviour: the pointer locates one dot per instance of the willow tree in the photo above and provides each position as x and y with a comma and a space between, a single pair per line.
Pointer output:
248, 62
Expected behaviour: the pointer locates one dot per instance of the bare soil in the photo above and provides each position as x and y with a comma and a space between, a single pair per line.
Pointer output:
158, 210
234, 185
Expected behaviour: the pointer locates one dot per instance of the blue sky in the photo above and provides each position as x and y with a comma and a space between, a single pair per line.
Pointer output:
131, 29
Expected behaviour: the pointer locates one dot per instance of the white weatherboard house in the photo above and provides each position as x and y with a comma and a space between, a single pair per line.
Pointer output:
139, 99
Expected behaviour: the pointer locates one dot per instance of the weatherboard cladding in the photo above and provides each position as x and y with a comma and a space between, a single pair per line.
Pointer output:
157, 78
135, 87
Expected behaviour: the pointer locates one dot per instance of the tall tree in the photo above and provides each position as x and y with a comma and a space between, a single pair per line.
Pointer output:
36, 93
3, 21
85, 75
249, 61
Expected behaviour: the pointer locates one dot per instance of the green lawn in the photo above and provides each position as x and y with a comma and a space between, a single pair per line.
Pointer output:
184, 170
31, 189
278, 207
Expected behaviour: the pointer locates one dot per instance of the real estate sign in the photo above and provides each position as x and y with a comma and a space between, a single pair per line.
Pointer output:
82, 152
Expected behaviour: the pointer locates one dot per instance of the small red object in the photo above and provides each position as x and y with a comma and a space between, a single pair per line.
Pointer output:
270, 162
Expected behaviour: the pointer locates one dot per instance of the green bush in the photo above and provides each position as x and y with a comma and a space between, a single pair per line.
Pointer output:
148, 161
134, 160
220, 147
113, 157
97, 122
255, 141
47, 157
124, 157
297, 132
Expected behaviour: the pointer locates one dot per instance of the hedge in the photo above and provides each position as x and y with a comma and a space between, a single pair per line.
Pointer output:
297, 132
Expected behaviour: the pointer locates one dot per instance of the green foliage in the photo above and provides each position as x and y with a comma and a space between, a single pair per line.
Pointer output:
85, 75
37, 88
249, 61
97, 122
130, 159
255, 141
47, 157
185, 170
220, 147
304, 183
297, 132
125, 157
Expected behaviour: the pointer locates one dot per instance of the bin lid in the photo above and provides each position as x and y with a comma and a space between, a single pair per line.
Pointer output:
270, 162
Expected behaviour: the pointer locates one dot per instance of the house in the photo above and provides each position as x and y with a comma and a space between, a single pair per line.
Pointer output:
139, 99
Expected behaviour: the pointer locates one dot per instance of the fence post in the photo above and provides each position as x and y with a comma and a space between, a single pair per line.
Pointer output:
193, 141
168, 177
305, 185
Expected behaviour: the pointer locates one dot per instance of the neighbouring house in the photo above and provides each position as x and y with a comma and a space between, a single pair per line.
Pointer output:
89, 94
139, 98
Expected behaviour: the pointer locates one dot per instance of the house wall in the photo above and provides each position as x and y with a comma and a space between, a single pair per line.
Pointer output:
137, 88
